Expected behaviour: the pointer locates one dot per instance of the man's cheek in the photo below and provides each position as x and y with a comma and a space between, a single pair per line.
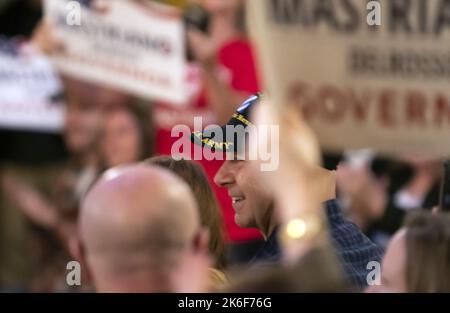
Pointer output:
242, 217
251, 213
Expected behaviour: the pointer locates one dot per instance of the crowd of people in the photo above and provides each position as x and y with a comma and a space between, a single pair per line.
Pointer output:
138, 219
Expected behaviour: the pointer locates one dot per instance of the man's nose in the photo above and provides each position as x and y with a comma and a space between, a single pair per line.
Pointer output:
223, 175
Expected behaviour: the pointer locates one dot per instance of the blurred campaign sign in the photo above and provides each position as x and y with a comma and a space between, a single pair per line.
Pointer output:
28, 91
133, 46
366, 73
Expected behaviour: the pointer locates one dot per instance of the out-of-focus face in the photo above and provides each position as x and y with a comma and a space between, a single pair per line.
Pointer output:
121, 142
252, 201
82, 124
393, 268
220, 6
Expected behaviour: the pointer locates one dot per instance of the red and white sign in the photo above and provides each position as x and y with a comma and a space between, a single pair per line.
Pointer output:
134, 46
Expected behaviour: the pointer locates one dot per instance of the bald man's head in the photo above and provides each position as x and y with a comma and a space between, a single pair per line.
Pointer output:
137, 219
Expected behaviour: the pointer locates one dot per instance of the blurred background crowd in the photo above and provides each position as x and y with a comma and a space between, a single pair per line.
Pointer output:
44, 176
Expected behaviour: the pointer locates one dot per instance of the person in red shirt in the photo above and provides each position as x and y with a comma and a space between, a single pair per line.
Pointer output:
222, 75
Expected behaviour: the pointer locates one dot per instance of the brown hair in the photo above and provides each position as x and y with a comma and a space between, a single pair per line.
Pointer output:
428, 252
193, 174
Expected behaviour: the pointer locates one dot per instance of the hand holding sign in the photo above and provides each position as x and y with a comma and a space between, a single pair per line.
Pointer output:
44, 39
203, 48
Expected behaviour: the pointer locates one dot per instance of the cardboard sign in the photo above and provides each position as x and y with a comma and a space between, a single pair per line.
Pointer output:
129, 45
28, 87
360, 84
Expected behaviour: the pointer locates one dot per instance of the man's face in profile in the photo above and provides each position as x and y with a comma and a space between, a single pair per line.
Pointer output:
252, 201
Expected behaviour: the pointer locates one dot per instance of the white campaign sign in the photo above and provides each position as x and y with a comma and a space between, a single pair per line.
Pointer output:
27, 85
360, 84
134, 46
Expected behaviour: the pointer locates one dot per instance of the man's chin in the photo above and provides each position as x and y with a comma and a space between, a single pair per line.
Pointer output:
241, 222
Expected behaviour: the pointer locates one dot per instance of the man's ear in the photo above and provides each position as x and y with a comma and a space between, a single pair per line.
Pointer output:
77, 252
201, 241
192, 274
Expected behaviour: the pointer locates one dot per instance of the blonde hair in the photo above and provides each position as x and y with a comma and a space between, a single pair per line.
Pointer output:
428, 252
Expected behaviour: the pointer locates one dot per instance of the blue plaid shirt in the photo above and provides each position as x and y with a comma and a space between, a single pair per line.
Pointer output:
353, 248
